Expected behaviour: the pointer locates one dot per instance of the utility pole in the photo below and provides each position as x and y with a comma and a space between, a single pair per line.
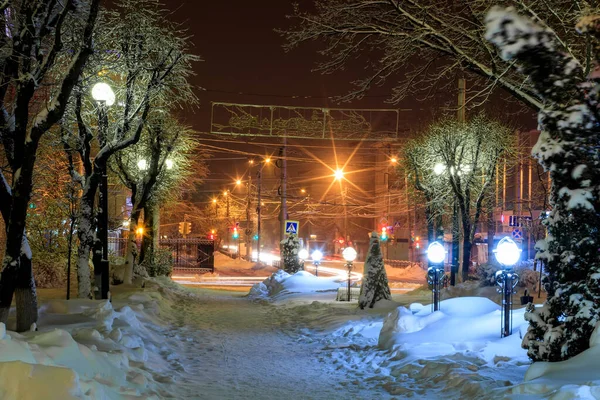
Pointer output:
282, 164
248, 231
258, 207
226, 194
455, 223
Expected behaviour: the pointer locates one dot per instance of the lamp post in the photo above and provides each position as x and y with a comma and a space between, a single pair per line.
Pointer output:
316, 257
302, 256
349, 255
439, 169
507, 254
104, 97
435, 273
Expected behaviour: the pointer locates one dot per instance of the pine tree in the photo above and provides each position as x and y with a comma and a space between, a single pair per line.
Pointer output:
375, 285
289, 248
569, 148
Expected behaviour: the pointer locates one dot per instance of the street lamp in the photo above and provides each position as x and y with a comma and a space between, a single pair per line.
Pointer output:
104, 97
316, 257
302, 256
349, 255
339, 174
169, 163
507, 254
435, 273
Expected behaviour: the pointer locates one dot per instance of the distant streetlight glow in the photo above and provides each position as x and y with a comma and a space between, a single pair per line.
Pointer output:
268, 160
225, 193
142, 165
439, 168
169, 163
393, 160
302, 190
338, 174
238, 182
303, 254
214, 201
251, 162
317, 255
102, 92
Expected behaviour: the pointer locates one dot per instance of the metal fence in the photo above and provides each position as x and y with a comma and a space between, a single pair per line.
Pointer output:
189, 255
404, 264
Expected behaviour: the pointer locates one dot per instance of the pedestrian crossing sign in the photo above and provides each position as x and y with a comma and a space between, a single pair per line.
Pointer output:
291, 227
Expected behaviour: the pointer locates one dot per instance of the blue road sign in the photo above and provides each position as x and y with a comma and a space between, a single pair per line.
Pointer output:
517, 234
291, 227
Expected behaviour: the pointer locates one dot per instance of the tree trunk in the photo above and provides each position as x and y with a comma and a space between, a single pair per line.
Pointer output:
85, 233
131, 245
25, 291
467, 246
491, 231
430, 225
151, 235
16, 266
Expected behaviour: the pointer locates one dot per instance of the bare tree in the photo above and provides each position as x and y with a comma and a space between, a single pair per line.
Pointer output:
422, 44
457, 161
34, 90
153, 169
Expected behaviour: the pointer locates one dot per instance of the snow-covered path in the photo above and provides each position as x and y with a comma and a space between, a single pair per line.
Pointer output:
233, 348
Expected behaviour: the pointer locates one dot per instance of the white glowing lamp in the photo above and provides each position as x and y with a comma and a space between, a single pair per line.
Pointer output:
303, 254
142, 165
349, 254
507, 252
436, 253
317, 255
102, 92
439, 168
338, 174
169, 163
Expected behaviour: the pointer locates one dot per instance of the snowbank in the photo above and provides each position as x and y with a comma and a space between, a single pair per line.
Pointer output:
463, 324
282, 283
88, 349
576, 378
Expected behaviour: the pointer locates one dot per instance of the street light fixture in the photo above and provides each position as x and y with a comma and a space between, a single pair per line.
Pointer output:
435, 273
105, 97
302, 256
349, 255
316, 258
507, 254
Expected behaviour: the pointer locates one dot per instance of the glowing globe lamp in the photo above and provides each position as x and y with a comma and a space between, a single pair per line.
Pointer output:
102, 92
303, 254
349, 254
317, 255
436, 253
507, 252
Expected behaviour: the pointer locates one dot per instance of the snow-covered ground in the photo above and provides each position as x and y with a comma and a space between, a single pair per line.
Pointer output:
288, 339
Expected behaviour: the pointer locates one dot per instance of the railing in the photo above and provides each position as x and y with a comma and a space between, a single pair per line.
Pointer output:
404, 264
189, 255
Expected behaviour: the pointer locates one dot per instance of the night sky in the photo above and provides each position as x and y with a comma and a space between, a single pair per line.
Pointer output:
244, 62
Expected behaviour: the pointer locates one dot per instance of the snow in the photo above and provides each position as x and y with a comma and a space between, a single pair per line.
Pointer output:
290, 339
577, 198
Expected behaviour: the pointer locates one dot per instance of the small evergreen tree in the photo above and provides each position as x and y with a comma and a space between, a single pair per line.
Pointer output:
375, 285
289, 249
569, 148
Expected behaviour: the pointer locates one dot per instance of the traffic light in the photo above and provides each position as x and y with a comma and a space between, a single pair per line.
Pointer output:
384, 234
188, 228
182, 227
235, 233
255, 237
417, 243
341, 241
